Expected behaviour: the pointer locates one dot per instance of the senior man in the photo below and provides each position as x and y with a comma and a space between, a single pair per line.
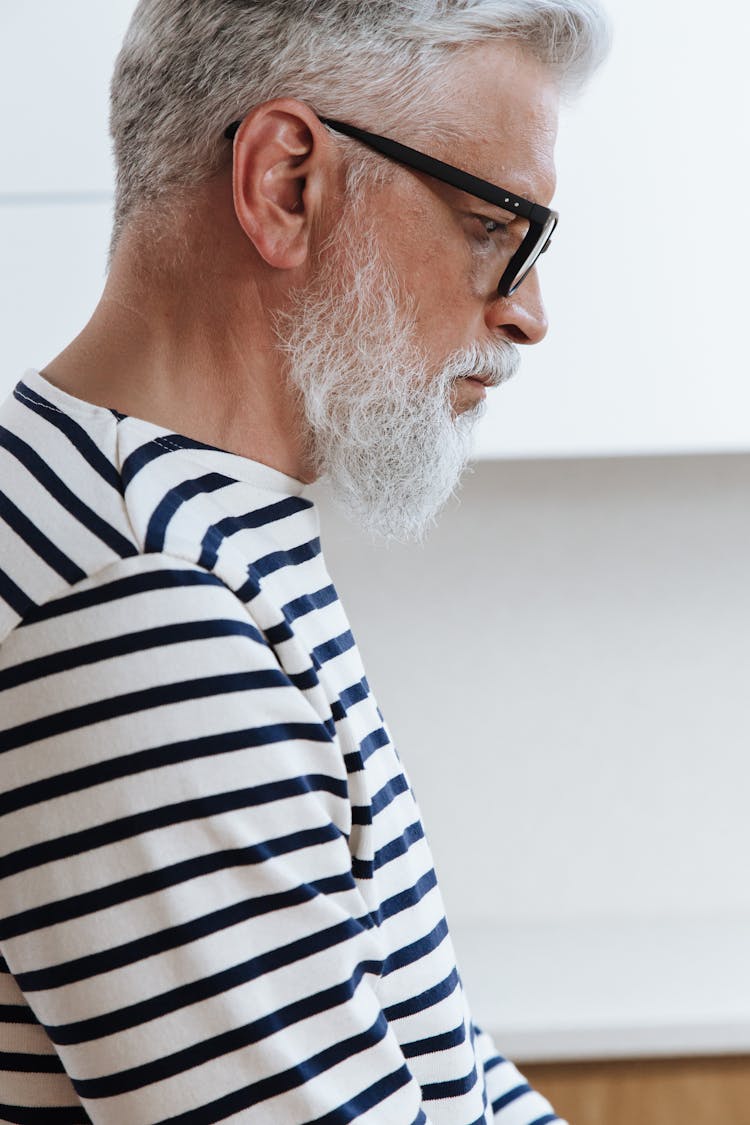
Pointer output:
218, 902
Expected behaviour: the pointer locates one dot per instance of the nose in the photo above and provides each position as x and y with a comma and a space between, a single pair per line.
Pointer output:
521, 317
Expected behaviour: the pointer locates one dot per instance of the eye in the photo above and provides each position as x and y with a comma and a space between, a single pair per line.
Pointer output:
491, 226
489, 237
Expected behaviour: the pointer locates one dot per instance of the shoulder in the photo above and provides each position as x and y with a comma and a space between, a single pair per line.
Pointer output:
152, 656
62, 512
136, 613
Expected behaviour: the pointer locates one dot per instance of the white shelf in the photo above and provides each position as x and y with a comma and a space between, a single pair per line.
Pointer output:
614, 990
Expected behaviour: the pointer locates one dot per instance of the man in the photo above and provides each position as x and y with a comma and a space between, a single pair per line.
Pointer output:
218, 902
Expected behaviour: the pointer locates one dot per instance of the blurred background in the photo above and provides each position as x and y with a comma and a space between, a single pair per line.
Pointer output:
565, 664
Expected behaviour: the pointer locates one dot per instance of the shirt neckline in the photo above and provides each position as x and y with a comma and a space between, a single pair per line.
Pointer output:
234, 464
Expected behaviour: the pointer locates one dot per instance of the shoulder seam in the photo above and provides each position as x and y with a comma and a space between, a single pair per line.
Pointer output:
44, 404
174, 562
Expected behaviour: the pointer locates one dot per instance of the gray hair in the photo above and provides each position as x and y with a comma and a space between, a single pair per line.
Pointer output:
187, 68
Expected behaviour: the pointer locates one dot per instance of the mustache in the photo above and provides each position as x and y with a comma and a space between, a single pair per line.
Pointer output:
493, 363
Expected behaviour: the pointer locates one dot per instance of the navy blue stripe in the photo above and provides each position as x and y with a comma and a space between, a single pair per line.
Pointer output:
17, 1013
353, 695
170, 504
355, 759
14, 596
365, 814
290, 1079
333, 648
164, 635
424, 1000
232, 525
405, 900
48, 1115
237, 976
159, 447
495, 1061
416, 950
76, 434
292, 611
453, 1088
435, 1043
39, 542
134, 701
277, 634
374, 741
65, 497
120, 956
300, 607
362, 868
277, 560
304, 681
395, 848
368, 1099
249, 590
169, 754
166, 816
365, 868
547, 1119
511, 1096
89, 902
236, 1039
22, 1063
385, 796
139, 458
121, 588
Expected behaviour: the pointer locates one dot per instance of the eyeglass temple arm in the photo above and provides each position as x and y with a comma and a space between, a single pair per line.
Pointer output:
464, 181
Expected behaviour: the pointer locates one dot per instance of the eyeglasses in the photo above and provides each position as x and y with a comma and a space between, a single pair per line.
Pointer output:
542, 221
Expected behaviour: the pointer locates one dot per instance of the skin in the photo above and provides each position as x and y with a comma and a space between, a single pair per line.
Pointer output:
182, 335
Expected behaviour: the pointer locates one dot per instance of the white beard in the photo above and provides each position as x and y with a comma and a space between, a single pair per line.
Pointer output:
381, 427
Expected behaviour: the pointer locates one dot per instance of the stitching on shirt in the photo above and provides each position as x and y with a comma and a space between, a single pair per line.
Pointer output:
33, 402
165, 443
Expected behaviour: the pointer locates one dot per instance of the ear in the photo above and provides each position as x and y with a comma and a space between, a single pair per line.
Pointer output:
281, 168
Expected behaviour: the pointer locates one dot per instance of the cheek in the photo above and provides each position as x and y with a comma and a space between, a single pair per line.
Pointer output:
441, 275
452, 314
424, 245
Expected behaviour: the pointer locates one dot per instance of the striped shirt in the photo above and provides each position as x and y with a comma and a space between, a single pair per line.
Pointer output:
217, 902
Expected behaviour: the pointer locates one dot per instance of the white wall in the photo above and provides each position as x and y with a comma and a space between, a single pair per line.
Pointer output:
565, 666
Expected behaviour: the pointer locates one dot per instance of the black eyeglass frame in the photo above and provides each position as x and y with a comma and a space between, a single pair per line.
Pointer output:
542, 220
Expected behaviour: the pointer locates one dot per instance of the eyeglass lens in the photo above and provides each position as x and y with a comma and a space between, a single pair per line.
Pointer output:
537, 249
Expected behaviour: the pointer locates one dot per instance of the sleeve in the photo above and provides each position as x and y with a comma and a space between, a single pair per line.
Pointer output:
512, 1099
178, 908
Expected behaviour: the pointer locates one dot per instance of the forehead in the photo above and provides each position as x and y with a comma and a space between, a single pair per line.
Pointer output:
506, 105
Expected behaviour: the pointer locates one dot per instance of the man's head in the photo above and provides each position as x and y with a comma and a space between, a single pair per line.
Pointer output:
381, 282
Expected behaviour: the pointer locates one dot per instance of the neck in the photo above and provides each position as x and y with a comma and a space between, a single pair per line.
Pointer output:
188, 345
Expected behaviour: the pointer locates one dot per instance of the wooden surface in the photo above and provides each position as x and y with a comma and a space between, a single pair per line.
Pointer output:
654, 1092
